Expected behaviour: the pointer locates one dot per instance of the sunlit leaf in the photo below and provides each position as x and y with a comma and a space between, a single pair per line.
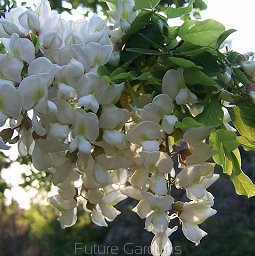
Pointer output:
224, 36
187, 123
146, 4
243, 120
212, 115
179, 11
243, 184
203, 33
183, 62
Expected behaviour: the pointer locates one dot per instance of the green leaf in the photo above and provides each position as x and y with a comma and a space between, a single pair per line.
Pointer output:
212, 115
188, 49
246, 143
203, 33
187, 123
146, 4
195, 76
183, 62
209, 62
224, 36
223, 142
217, 146
227, 139
243, 184
141, 21
243, 120
179, 11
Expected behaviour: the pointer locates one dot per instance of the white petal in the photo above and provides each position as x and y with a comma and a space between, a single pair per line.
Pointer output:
89, 102
65, 91
39, 66
109, 211
150, 145
62, 204
98, 218
3, 118
172, 82
95, 196
37, 126
113, 137
142, 209
113, 118
29, 20
196, 191
58, 131
158, 184
156, 222
26, 50
145, 130
2, 144
101, 175
163, 203
161, 245
84, 145
164, 104
68, 218
111, 162
40, 159
139, 178
132, 192
109, 94
73, 144
51, 145
168, 123
193, 232
11, 67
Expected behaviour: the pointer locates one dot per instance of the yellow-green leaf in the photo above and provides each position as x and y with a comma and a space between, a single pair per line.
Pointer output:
243, 184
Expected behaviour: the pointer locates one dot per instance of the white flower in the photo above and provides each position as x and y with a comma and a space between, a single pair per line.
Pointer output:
68, 218
21, 48
168, 123
10, 68
145, 134
85, 130
249, 67
10, 104
29, 20
122, 13
34, 91
196, 179
161, 244
173, 84
94, 30
89, 102
7, 28
10, 24
161, 105
200, 151
195, 213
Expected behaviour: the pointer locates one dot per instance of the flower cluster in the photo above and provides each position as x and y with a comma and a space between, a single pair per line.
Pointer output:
102, 140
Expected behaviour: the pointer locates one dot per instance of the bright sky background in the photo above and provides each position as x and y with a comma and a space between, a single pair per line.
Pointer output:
238, 15
231, 13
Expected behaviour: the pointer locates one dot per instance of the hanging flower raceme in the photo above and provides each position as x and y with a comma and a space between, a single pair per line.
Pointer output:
126, 107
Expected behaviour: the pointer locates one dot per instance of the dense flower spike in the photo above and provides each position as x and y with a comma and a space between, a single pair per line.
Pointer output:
126, 107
